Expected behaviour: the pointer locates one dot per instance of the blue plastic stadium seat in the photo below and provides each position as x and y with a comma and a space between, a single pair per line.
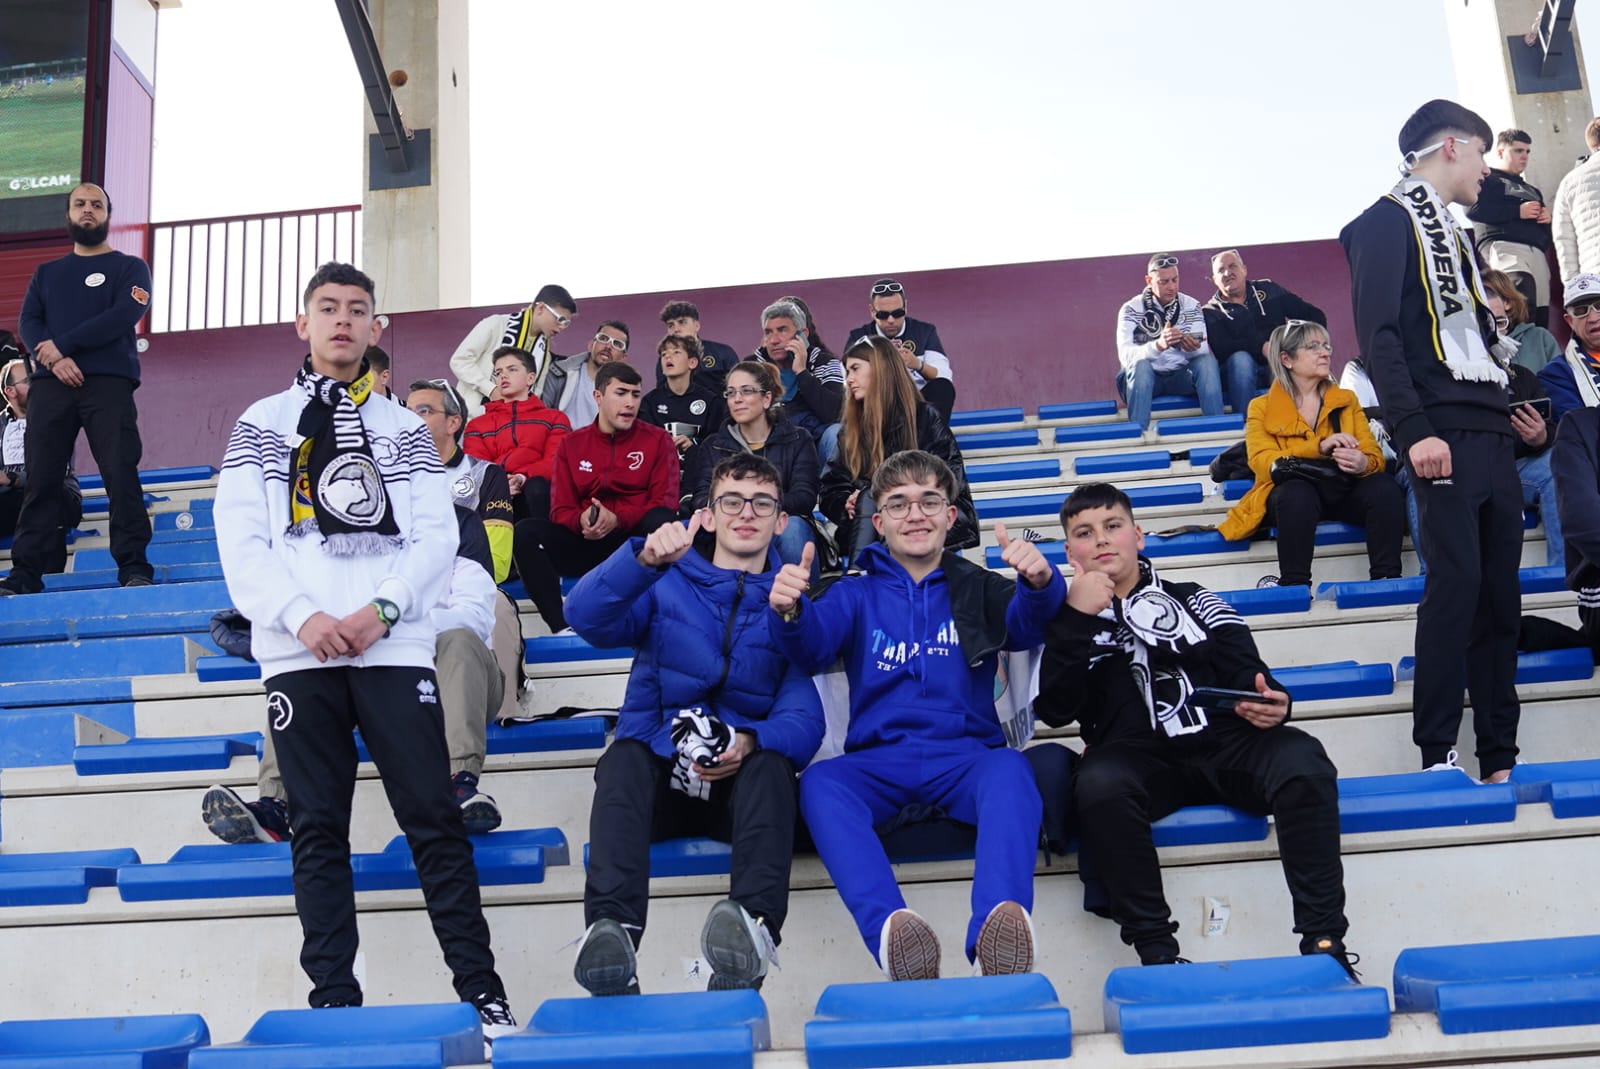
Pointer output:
503, 856
1422, 800
200, 552
156, 1042
577, 733
1261, 600
165, 754
218, 669
1078, 410
155, 477
1199, 425
1143, 460
1199, 824
684, 857
978, 417
59, 878
1013, 469
1492, 987
546, 649
1408, 591
1095, 432
349, 1037
211, 871
1201, 456
978, 1019
1320, 682
1007, 508
1572, 788
1546, 580
1174, 402
112, 611
1190, 544
80, 579
694, 1030
47, 735
99, 658
197, 517
1545, 667
1234, 489
1017, 439
1252, 1003
94, 506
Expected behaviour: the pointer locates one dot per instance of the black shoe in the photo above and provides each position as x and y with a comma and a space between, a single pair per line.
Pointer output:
479, 812
138, 580
737, 946
606, 963
1174, 960
1333, 946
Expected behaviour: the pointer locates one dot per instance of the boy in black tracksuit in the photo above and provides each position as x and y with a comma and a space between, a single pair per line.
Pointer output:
1447, 412
1123, 658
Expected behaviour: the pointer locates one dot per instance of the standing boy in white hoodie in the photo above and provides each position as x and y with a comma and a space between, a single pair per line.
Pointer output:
337, 540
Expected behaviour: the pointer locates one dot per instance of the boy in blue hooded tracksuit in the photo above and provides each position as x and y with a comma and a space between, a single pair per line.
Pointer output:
920, 634
715, 725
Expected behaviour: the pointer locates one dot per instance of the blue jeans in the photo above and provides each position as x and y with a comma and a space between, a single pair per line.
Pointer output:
1245, 375
828, 444
1143, 383
1539, 492
792, 541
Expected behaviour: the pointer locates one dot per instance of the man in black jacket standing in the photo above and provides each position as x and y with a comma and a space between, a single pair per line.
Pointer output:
1424, 329
78, 319
1513, 223
1240, 317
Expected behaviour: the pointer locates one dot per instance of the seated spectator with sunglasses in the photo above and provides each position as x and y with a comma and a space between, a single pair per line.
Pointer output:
1574, 381
570, 384
918, 342
518, 432
1161, 344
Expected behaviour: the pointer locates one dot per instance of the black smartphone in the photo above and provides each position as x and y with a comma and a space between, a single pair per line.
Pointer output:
1222, 698
594, 513
1541, 405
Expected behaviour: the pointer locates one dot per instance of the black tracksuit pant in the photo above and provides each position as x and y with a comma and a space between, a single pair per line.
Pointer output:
311, 714
1375, 503
103, 409
1122, 786
545, 551
1467, 622
635, 805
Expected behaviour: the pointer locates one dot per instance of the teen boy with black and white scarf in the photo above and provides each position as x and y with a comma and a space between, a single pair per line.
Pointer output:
1424, 332
337, 540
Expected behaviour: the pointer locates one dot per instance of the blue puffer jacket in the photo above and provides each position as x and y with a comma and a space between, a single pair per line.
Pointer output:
700, 637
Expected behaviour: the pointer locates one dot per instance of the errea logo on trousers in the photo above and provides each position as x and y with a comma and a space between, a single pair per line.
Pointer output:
427, 693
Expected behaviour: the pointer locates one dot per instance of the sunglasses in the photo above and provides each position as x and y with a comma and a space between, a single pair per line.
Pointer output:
884, 288
1163, 261
896, 313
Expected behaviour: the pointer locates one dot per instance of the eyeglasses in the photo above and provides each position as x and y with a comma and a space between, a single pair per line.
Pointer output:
619, 344
1582, 311
885, 288
1502, 323
427, 410
561, 321
742, 391
894, 313
898, 508
1163, 261
447, 394
733, 504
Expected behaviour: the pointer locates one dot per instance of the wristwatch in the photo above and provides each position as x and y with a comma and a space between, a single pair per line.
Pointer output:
388, 612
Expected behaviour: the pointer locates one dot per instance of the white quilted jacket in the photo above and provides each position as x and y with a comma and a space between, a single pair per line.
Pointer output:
1575, 219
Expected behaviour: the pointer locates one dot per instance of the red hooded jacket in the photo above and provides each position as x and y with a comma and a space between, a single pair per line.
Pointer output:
520, 436
630, 473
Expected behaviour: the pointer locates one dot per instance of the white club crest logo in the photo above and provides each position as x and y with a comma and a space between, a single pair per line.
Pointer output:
387, 452
280, 709
94, 280
184, 521
462, 488
697, 407
352, 491
636, 460
427, 693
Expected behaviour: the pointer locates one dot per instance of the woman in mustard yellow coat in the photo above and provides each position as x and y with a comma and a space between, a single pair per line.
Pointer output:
1314, 459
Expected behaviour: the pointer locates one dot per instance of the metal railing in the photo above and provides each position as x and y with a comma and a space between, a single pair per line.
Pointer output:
244, 270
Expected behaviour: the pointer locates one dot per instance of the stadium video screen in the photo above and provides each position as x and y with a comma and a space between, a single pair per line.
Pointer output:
44, 48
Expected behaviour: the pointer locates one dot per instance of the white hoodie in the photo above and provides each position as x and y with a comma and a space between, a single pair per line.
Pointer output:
278, 582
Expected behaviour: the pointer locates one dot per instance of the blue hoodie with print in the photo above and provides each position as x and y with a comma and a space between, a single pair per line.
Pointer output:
910, 683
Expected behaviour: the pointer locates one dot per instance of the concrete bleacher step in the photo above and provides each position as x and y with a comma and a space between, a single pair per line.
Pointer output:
709, 1028
149, 1042
1183, 1007
394, 1037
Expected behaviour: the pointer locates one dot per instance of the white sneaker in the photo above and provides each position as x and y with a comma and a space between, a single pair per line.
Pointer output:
1005, 942
495, 1015
738, 947
908, 949
1448, 765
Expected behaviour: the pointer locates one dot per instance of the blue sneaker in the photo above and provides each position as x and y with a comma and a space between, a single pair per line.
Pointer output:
234, 820
478, 811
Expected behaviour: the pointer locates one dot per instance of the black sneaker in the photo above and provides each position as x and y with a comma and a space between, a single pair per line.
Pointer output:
495, 1014
737, 946
234, 820
478, 811
606, 963
1333, 946
138, 580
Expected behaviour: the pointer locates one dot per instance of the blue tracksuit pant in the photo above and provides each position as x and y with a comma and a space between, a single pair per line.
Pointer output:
845, 798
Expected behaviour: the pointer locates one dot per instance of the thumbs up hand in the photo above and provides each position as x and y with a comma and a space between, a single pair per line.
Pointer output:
792, 581
1023, 557
668, 543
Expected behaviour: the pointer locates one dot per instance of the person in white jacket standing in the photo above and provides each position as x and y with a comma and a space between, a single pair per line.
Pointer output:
337, 541
1575, 214
530, 329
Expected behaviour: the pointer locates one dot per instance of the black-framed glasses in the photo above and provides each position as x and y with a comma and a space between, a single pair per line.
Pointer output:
619, 344
762, 505
1163, 261
883, 289
893, 313
898, 508
742, 391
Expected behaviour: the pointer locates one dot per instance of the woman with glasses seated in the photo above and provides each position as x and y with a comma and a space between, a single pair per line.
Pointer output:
884, 415
1314, 456
753, 427
1535, 347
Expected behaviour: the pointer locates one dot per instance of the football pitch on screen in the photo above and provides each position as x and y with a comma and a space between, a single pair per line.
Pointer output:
41, 126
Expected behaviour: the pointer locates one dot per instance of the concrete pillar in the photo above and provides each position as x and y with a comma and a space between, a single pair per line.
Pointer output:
417, 241
1486, 84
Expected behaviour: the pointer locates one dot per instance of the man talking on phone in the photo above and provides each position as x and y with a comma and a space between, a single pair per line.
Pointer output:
812, 377
1176, 708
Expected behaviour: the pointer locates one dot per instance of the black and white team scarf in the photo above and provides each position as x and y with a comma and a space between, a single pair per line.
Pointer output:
1152, 619
335, 486
1455, 293
1155, 318
697, 735
1585, 374
520, 333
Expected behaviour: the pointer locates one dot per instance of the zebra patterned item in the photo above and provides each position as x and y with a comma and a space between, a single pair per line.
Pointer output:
700, 739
